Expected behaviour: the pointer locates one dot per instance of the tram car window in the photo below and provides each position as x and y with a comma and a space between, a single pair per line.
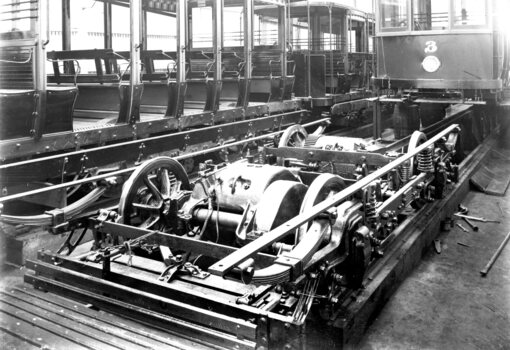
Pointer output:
233, 26
471, 13
430, 14
393, 15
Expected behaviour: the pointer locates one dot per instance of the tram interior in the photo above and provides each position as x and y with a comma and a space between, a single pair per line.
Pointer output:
87, 63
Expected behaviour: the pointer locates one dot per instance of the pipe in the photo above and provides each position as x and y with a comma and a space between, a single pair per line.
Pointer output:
224, 219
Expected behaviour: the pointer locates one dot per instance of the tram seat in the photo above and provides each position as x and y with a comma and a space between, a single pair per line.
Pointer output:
360, 66
19, 106
200, 65
18, 98
152, 60
233, 65
267, 81
67, 68
17, 117
17, 94
335, 71
199, 74
158, 69
59, 108
98, 91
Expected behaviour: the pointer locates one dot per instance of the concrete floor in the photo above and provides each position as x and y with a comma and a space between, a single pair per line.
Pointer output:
445, 303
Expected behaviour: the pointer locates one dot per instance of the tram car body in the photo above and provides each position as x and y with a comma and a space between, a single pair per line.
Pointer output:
68, 88
331, 46
437, 46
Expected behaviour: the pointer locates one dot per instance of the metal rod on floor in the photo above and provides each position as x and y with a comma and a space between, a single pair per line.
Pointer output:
495, 256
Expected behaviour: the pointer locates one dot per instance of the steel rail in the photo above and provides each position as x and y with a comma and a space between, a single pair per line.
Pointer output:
224, 266
131, 169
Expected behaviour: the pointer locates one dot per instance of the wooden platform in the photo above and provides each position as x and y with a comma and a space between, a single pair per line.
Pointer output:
32, 319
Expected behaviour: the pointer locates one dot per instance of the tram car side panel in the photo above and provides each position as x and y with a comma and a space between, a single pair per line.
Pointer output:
448, 61
433, 46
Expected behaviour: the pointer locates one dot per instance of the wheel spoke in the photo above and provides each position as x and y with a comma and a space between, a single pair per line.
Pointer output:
298, 139
165, 182
151, 221
146, 207
152, 188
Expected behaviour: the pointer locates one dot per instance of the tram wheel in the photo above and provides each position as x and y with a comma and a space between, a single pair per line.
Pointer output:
145, 198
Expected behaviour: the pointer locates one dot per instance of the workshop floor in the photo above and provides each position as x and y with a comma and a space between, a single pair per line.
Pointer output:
445, 303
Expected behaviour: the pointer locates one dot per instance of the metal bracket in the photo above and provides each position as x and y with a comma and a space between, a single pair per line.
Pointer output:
58, 220
295, 264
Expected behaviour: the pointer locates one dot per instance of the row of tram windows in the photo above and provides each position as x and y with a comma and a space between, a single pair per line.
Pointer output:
327, 30
432, 15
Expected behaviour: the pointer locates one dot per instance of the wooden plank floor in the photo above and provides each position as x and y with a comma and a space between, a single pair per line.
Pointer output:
33, 319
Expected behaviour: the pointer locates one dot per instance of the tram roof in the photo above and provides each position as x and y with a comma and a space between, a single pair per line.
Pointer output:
300, 9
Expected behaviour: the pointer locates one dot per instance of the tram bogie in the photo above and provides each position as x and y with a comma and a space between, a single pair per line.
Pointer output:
254, 244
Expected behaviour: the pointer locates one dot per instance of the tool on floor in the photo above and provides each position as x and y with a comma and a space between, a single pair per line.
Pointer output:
463, 209
473, 226
463, 244
437, 246
475, 218
491, 262
462, 227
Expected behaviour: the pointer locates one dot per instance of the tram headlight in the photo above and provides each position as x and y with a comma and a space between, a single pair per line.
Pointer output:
431, 64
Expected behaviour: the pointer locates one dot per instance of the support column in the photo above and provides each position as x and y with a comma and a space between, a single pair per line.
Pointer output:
177, 89
66, 34
130, 95
244, 91
110, 65
39, 60
107, 18
286, 84
376, 121
214, 87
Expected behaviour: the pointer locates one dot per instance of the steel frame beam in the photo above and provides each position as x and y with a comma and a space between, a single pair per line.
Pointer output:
307, 155
23, 147
133, 152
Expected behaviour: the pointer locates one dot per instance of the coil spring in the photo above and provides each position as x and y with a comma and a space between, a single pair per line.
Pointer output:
425, 162
370, 205
262, 155
405, 172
